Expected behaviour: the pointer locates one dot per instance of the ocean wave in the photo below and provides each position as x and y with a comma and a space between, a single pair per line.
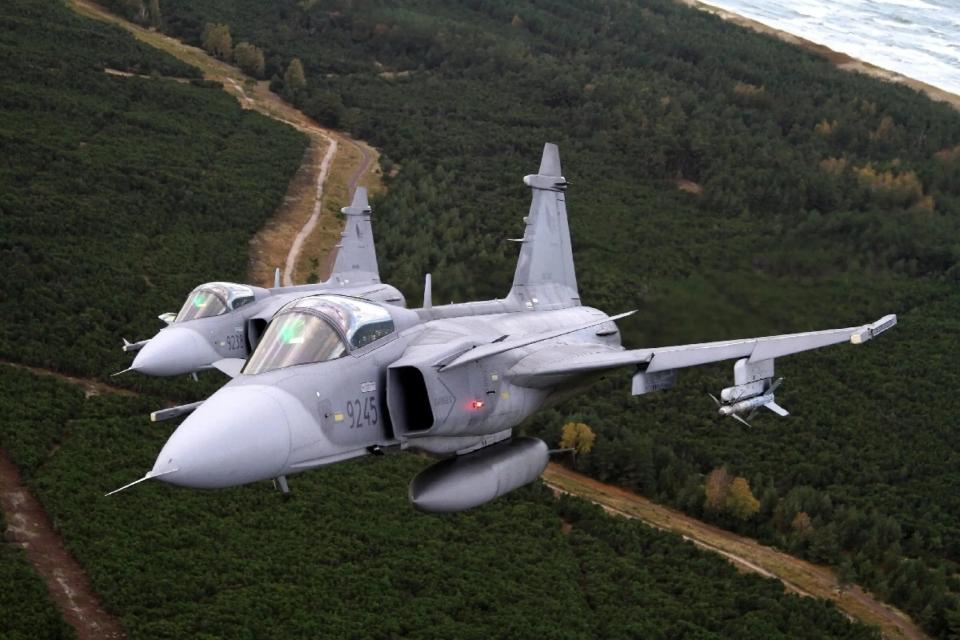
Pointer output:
912, 4
914, 37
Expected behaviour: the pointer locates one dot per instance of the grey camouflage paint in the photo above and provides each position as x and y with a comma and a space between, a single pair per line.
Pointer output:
454, 380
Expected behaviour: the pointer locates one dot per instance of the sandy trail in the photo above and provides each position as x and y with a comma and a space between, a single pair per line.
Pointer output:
29, 528
90, 387
366, 159
307, 228
799, 576
282, 239
365, 162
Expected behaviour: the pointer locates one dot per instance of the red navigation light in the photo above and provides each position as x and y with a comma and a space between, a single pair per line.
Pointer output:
476, 404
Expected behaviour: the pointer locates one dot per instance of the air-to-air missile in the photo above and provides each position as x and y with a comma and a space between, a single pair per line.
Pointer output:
336, 377
221, 322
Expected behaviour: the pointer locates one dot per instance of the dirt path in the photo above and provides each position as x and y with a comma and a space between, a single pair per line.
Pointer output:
366, 158
28, 525
283, 237
797, 575
297, 245
90, 387
29, 528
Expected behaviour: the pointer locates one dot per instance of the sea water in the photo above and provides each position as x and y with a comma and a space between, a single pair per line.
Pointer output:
917, 38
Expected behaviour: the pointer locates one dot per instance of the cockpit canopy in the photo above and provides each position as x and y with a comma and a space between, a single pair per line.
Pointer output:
317, 329
214, 298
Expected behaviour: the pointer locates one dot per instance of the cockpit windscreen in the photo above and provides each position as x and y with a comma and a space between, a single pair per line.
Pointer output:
202, 303
214, 298
317, 329
295, 338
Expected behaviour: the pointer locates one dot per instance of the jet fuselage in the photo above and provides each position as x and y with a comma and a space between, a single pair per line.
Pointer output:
288, 420
195, 345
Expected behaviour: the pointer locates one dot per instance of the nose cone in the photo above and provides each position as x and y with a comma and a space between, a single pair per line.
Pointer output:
239, 435
174, 351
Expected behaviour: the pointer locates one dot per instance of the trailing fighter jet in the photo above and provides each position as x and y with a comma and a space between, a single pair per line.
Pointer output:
222, 321
336, 377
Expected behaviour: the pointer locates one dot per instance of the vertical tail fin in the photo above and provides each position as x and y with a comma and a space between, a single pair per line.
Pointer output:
545, 277
356, 261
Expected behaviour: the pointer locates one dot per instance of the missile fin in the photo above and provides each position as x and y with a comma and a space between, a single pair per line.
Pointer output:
739, 419
777, 409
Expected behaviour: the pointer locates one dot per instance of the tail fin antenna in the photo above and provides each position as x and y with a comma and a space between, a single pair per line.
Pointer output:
428, 292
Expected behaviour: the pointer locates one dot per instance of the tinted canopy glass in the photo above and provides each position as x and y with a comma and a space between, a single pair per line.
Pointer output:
214, 298
317, 329
296, 338
202, 302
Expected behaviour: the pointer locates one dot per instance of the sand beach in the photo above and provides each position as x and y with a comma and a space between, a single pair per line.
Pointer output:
841, 60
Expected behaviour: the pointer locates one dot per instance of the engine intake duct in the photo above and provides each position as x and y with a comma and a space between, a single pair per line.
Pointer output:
408, 399
470, 480
255, 329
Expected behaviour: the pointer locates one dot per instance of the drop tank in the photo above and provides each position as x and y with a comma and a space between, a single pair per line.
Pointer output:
470, 480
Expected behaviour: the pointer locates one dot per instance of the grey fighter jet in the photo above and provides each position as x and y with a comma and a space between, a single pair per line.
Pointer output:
221, 322
336, 377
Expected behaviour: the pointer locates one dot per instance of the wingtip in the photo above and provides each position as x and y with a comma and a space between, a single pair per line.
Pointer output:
550, 162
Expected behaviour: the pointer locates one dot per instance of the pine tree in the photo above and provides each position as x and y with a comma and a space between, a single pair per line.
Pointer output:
716, 488
154, 11
217, 40
294, 78
740, 499
250, 59
579, 437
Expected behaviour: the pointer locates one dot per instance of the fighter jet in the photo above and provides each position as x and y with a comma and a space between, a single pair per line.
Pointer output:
221, 322
336, 377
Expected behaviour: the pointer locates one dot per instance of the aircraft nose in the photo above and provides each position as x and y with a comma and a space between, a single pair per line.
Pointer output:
174, 351
239, 435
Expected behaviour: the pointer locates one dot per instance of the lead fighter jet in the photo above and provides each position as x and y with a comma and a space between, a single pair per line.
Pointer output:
336, 377
221, 322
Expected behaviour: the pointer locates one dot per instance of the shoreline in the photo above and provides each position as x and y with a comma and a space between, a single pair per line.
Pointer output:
840, 60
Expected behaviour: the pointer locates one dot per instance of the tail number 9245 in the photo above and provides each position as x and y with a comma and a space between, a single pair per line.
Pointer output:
362, 412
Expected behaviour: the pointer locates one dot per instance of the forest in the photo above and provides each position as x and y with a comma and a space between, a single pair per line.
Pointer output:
36, 408
111, 209
725, 184
346, 556
119, 194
